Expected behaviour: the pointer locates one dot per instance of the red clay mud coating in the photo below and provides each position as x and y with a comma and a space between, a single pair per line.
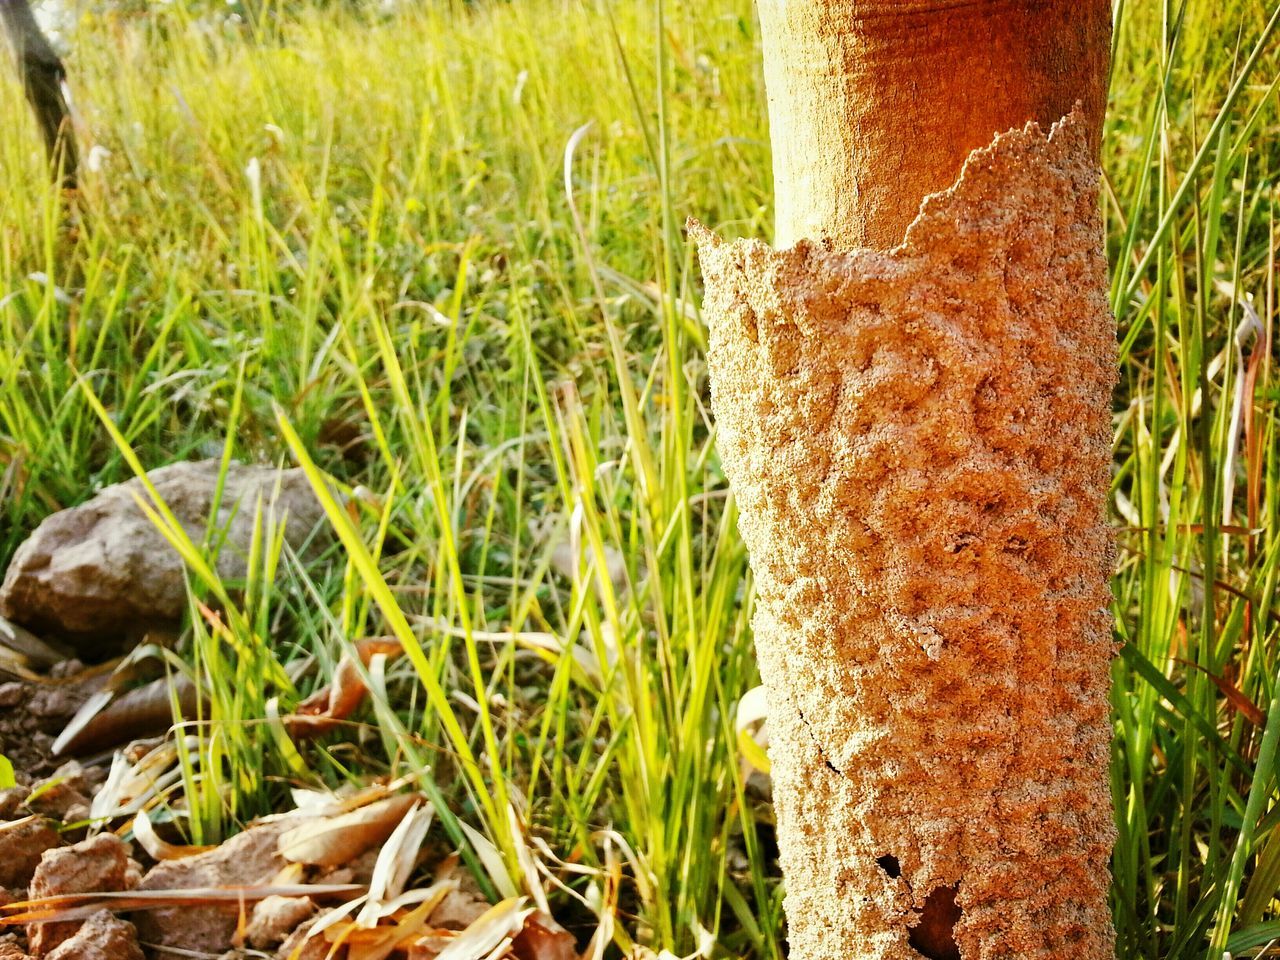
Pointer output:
918, 440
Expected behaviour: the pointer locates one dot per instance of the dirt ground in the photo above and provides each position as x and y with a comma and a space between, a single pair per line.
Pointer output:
32, 714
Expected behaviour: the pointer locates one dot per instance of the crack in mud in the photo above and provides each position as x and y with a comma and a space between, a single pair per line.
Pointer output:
822, 752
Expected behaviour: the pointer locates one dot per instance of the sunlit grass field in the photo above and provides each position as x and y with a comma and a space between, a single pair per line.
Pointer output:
435, 255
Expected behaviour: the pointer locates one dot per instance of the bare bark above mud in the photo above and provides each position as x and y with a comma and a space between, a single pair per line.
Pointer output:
918, 440
874, 104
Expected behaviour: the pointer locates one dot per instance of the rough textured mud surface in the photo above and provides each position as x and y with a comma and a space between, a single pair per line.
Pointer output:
918, 440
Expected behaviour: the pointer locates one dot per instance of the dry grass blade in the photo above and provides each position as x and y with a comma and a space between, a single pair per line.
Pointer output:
160, 849
1235, 698
493, 862
752, 710
336, 841
491, 934
23, 650
78, 906
380, 942
396, 860
131, 784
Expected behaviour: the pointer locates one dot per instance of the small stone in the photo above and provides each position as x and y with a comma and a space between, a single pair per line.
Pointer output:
77, 813
301, 945
246, 859
66, 668
340, 875
97, 865
56, 794
11, 802
22, 844
12, 694
54, 702
101, 937
541, 938
276, 917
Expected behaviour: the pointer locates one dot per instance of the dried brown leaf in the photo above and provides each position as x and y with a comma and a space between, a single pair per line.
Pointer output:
332, 704
336, 841
108, 718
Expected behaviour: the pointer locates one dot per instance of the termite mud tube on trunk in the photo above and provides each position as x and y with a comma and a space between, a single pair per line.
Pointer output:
918, 440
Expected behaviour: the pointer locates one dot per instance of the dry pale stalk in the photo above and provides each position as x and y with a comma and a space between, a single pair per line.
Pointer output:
918, 440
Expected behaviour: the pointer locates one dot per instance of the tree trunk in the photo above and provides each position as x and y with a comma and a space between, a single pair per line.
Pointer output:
874, 104
42, 79
918, 439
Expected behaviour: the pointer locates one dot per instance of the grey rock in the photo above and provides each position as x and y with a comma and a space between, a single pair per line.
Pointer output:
102, 571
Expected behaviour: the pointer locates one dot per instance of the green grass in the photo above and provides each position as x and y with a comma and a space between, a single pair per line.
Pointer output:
346, 242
